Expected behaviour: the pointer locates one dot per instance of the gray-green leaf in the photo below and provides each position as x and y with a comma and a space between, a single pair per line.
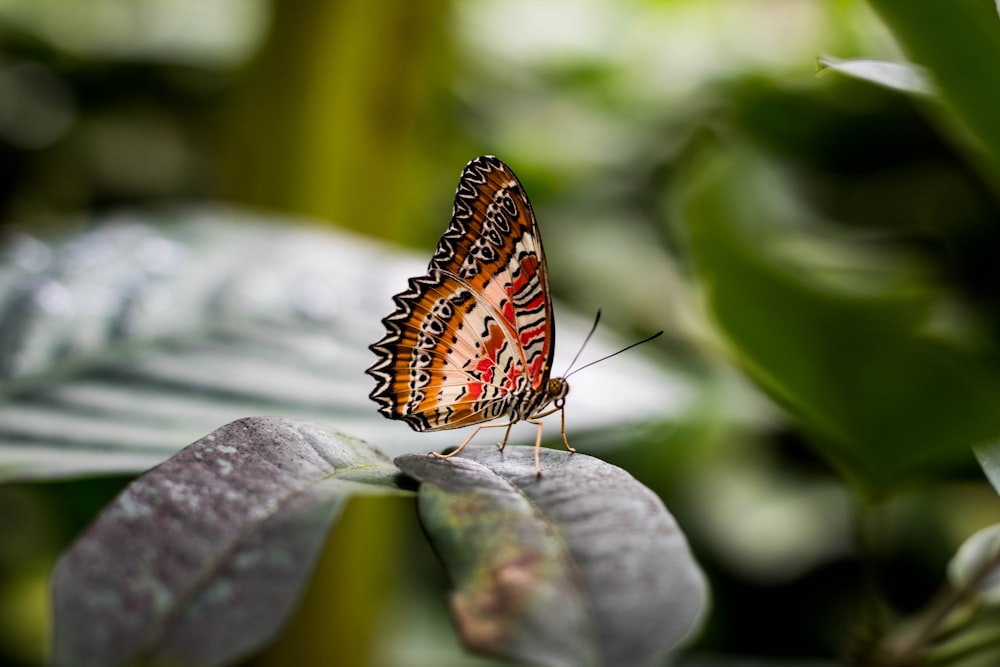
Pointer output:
201, 560
583, 566
152, 328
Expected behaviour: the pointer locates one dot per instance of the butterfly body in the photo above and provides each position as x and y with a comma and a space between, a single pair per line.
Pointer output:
471, 341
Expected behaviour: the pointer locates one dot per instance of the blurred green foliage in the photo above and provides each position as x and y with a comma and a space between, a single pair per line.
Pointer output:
833, 240
889, 400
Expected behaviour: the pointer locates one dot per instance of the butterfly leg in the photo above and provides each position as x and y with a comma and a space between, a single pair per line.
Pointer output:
538, 443
560, 406
469, 439
505, 436
538, 447
538, 438
562, 415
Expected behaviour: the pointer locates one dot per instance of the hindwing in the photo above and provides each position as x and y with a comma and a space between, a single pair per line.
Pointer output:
471, 340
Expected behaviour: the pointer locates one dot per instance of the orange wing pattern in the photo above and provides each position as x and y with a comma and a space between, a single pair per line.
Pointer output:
472, 340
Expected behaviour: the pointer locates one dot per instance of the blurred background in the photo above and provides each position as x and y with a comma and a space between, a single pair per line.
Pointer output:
819, 249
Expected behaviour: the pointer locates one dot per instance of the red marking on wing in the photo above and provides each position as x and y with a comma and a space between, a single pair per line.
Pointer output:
512, 377
536, 369
529, 267
530, 334
508, 310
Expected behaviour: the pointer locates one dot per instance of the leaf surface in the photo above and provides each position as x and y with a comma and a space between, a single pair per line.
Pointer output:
202, 559
583, 566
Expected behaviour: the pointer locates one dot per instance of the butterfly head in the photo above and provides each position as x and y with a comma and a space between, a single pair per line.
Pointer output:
556, 390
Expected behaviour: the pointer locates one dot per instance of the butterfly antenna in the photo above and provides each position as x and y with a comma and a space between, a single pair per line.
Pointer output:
627, 347
586, 340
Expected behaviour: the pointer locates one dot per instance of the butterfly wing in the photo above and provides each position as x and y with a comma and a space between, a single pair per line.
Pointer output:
493, 245
473, 339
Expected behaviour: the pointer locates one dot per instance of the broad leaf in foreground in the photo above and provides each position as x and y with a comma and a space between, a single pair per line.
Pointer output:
583, 566
202, 559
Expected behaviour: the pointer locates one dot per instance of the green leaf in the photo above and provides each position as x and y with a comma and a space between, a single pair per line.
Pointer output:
887, 402
975, 642
897, 76
202, 559
959, 42
583, 566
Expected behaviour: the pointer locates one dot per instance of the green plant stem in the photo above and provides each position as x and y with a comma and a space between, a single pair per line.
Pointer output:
908, 644
870, 539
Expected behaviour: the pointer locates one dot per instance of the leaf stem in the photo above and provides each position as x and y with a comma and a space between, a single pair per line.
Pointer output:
909, 643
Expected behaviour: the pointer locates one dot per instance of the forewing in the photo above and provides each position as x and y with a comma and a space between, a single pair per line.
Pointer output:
492, 245
446, 360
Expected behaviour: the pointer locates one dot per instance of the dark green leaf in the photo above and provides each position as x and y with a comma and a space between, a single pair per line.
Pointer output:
201, 560
583, 566
959, 42
885, 400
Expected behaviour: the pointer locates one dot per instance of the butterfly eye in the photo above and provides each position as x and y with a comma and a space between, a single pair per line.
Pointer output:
558, 388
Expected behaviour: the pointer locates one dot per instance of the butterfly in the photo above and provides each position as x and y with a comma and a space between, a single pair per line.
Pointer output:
472, 340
